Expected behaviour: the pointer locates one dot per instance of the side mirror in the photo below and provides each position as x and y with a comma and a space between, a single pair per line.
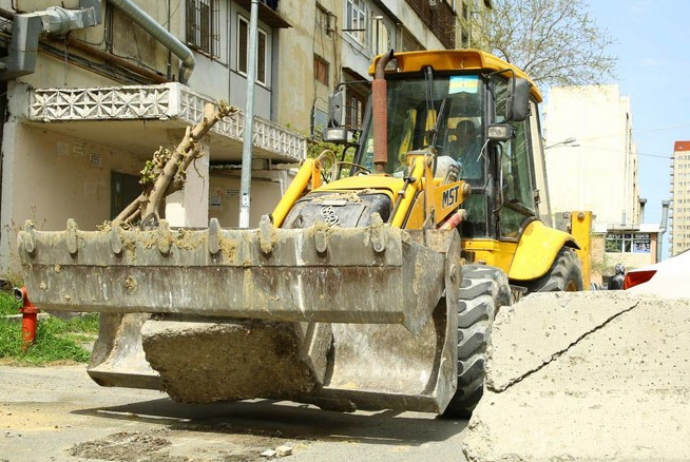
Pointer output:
336, 109
517, 105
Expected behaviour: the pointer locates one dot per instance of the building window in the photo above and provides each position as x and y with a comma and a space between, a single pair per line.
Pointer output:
320, 70
354, 110
380, 36
203, 26
628, 243
465, 40
355, 18
243, 46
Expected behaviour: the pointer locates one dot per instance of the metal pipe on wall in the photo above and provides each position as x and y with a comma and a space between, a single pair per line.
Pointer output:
158, 32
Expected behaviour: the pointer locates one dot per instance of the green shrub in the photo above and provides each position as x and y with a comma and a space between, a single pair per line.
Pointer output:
8, 304
57, 341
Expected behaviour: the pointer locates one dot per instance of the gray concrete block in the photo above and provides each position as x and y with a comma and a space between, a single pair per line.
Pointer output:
586, 377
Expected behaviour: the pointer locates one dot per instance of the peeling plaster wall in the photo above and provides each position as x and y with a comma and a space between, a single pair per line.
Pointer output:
268, 186
238, 82
130, 40
294, 89
328, 48
53, 73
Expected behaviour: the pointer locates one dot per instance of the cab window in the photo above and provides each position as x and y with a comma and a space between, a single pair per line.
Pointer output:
515, 198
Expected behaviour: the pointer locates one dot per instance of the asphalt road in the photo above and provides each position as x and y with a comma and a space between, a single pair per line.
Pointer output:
59, 414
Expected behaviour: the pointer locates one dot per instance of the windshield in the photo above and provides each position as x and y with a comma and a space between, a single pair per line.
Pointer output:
445, 112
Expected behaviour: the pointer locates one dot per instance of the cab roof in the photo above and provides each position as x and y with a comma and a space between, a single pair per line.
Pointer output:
454, 60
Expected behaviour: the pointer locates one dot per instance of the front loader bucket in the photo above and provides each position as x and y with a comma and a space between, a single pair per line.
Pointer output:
325, 315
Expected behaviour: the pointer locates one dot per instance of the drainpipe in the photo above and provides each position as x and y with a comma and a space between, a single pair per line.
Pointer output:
160, 34
663, 226
643, 202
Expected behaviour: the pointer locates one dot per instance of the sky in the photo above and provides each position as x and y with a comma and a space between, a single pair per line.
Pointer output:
653, 49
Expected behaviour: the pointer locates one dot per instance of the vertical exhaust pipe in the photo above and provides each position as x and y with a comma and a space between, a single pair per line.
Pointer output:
380, 117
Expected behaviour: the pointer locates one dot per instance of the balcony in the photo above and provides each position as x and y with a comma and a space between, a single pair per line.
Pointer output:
139, 119
439, 18
268, 12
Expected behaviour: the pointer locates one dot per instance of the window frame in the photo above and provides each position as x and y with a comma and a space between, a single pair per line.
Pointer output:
357, 101
356, 14
517, 166
207, 44
262, 66
321, 70
379, 27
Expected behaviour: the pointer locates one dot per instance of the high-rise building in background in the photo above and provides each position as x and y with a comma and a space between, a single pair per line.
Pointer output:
591, 158
680, 197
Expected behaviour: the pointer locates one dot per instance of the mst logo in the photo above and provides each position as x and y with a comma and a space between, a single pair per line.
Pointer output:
450, 196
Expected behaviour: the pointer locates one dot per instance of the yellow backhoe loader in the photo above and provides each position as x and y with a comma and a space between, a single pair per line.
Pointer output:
374, 282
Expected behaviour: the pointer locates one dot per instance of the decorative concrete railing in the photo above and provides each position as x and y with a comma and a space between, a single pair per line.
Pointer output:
157, 102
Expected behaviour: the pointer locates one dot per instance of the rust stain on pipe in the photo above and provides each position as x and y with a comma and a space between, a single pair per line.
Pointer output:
380, 119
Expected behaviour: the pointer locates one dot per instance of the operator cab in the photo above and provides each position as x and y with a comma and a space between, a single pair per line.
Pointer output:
485, 121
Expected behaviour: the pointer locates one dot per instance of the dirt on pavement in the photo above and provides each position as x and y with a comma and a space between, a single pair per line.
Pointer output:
58, 414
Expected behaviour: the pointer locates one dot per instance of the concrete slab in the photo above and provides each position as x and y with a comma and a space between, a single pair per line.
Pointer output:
586, 377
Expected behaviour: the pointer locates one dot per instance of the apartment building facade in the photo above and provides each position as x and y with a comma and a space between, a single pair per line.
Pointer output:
590, 153
106, 82
680, 198
591, 162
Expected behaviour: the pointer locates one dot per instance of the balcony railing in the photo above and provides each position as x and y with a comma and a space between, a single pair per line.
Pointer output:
171, 101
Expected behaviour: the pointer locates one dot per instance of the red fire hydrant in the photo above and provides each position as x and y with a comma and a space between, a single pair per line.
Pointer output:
29, 317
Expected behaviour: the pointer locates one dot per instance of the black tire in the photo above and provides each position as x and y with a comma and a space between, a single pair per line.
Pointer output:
484, 289
565, 275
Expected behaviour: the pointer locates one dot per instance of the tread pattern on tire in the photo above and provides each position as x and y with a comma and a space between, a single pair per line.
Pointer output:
564, 272
483, 290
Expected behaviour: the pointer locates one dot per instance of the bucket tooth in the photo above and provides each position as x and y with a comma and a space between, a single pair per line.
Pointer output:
213, 240
28, 237
321, 238
378, 237
266, 235
115, 240
72, 237
164, 237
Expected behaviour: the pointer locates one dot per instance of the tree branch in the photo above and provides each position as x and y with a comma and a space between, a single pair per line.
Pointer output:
166, 172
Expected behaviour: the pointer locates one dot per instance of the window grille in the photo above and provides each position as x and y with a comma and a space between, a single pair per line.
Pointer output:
203, 26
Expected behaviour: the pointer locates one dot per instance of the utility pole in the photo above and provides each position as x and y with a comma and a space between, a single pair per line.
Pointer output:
245, 182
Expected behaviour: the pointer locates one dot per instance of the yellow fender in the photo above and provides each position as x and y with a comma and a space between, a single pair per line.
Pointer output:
537, 251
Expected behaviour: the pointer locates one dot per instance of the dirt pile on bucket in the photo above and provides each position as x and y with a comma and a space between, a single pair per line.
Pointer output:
586, 376
202, 362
